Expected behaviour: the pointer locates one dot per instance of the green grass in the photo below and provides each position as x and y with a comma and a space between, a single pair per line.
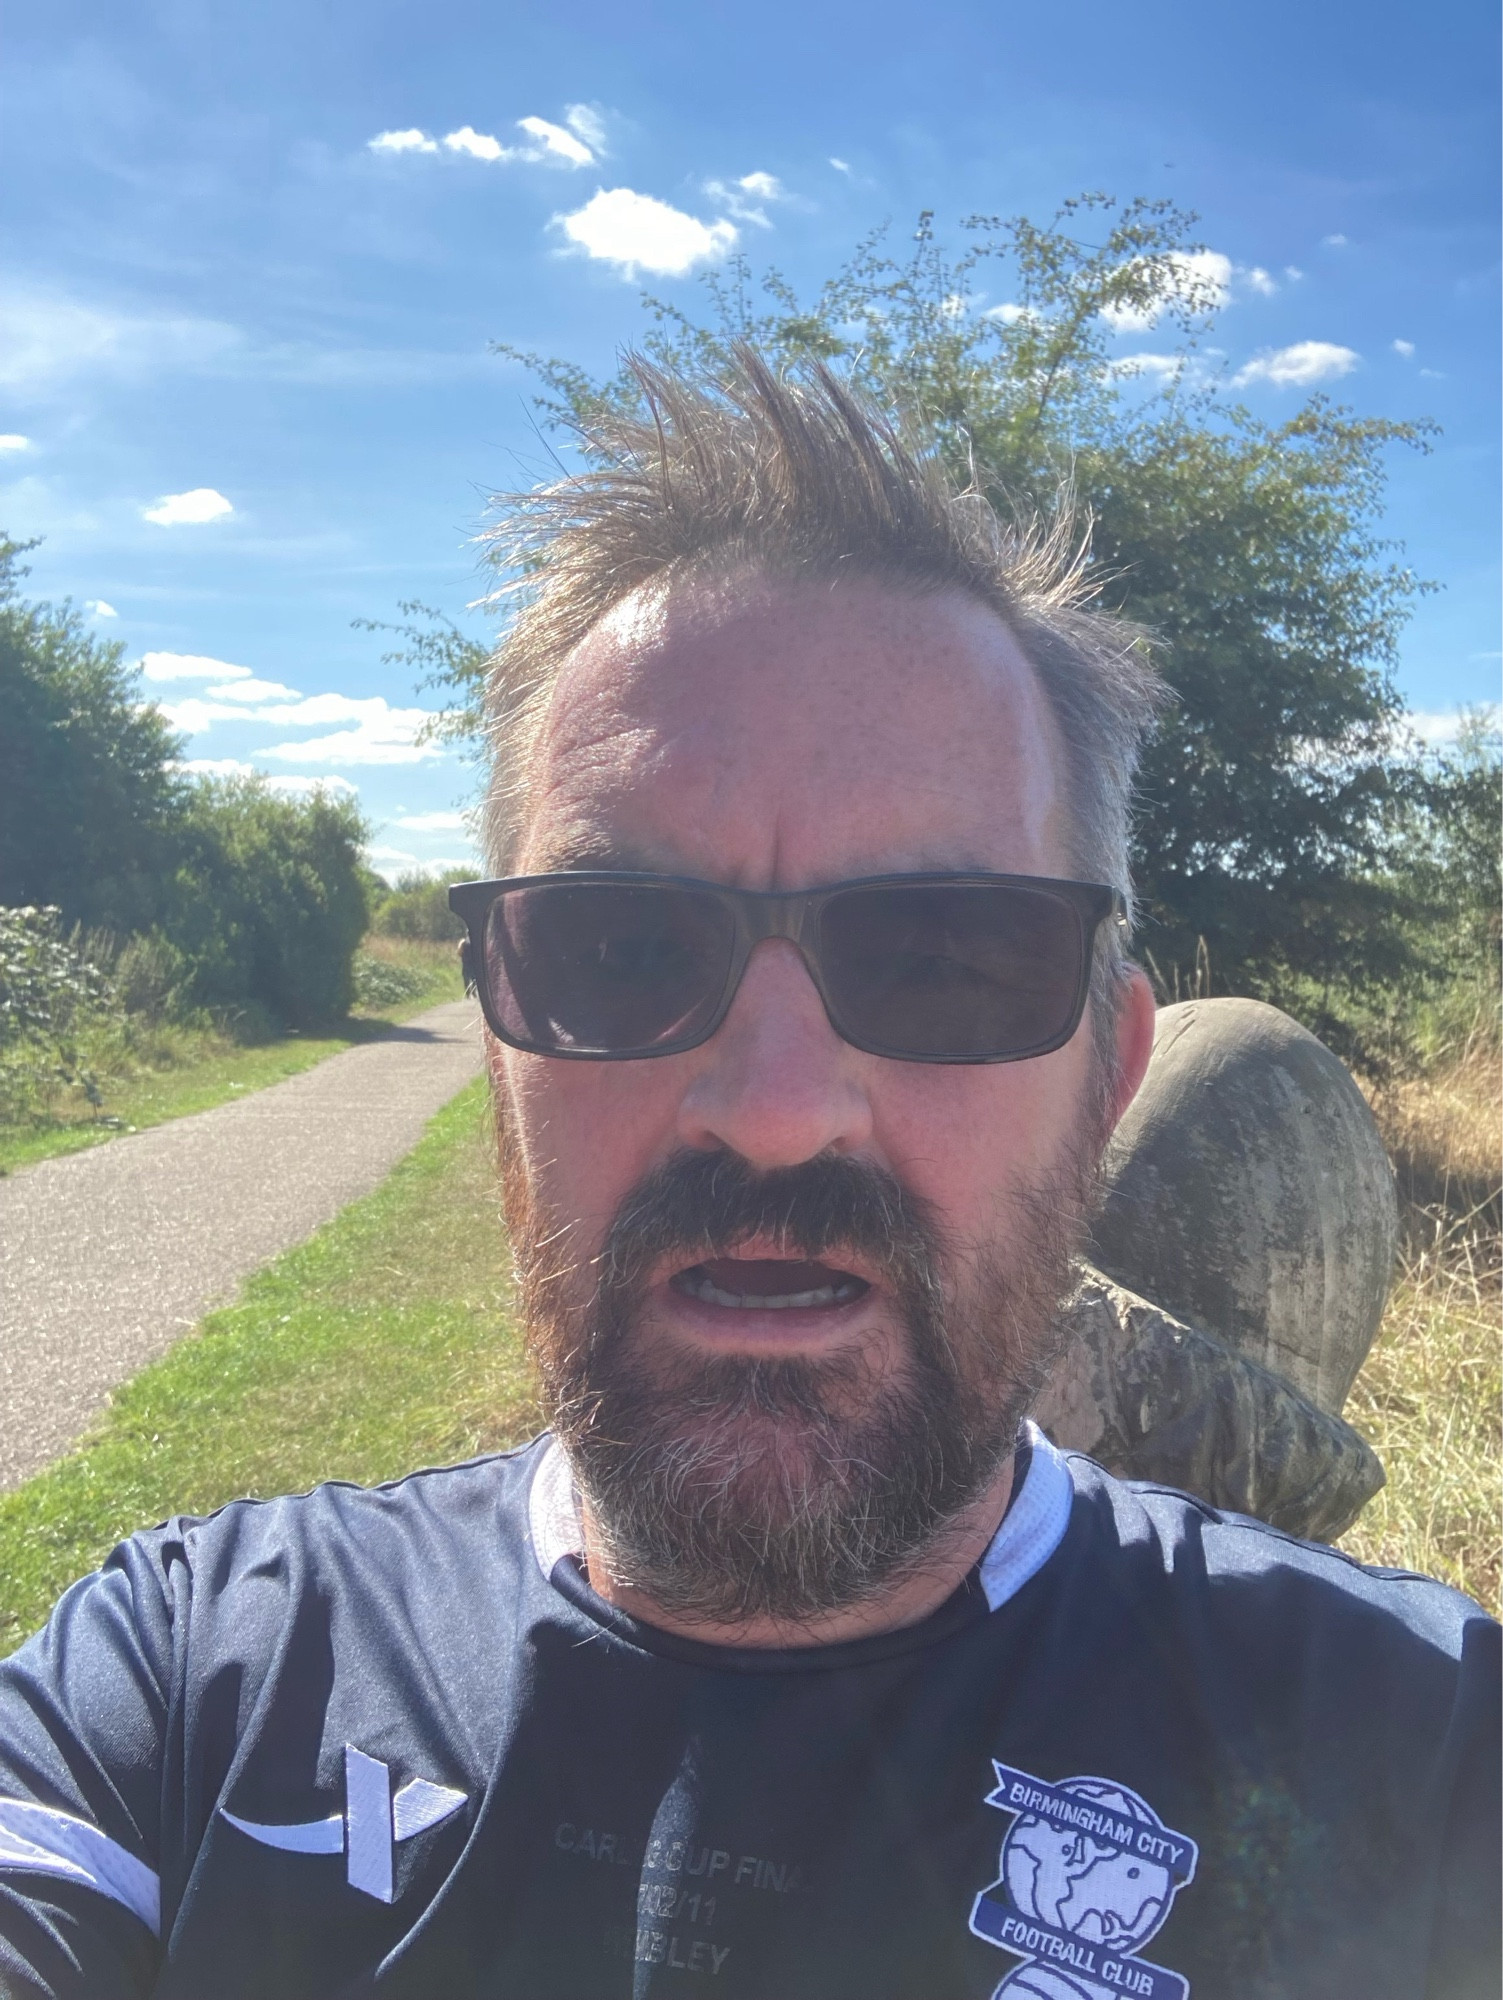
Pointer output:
182, 1070
383, 1343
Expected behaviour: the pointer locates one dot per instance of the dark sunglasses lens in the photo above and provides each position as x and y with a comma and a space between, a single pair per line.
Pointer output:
603, 969
954, 972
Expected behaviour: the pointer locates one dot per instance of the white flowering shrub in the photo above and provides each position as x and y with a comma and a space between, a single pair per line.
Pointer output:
51, 997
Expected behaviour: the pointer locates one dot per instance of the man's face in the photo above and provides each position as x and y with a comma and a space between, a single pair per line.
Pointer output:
780, 736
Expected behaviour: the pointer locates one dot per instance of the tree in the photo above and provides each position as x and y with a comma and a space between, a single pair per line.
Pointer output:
89, 797
1251, 549
1449, 860
268, 900
259, 898
443, 657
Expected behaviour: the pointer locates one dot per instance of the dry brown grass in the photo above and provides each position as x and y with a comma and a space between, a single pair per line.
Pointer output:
1442, 1130
1430, 1394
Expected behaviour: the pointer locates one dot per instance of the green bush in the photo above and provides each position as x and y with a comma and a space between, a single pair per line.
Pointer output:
379, 983
268, 903
148, 973
418, 907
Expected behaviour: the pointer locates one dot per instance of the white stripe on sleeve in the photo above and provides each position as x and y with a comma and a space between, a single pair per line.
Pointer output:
40, 1841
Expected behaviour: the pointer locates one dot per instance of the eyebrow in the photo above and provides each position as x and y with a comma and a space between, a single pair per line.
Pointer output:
598, 851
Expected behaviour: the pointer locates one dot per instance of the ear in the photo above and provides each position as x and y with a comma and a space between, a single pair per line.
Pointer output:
1136, 1010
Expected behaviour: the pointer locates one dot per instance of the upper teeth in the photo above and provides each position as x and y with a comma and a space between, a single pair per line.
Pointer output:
823, 1295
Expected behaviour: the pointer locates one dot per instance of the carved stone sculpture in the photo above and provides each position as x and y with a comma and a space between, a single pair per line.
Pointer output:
1238, 1271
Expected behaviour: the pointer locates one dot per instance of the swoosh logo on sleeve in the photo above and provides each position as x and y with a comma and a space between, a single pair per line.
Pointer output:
369, 1828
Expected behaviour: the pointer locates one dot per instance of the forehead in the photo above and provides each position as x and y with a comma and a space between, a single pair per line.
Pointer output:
777, 734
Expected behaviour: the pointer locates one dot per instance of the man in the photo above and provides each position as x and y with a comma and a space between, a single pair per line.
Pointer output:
793, 1663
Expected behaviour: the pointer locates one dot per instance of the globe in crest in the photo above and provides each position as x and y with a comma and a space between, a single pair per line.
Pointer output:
1083, 1886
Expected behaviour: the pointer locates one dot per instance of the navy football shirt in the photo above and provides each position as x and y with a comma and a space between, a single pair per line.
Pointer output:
389, 1742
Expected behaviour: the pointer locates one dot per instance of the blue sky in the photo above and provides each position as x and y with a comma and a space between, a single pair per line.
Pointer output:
245, 387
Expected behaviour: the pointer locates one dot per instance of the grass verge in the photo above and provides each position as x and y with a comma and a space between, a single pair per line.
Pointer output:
1429, 1398
343, 1359
178, 1070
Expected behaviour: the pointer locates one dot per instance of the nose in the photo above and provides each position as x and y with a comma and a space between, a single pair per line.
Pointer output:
775, 1083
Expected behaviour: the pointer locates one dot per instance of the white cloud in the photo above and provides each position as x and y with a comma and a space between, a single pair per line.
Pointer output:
102, 610
411, 864
1257, 279
480, 145
435, 822
190, 667
194, 716
13, 441
1438, 726
1432, 374
1404, 347
1159, 366
555, 145
637, 232
1204, 275
1293, 273
740, 197
1008, 314
45, 339
252, 690
217, 767
1337, 242
410, 141
374, 731
300, 788
47, 343
555, 140
840, 166
586, 124
200, 503
366, 745
363, 709
381, 734
236, 767
304, 711
1299, 366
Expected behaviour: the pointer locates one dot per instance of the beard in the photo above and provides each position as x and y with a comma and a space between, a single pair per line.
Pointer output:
729, 1488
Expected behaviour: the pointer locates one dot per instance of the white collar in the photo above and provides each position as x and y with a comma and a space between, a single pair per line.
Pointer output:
1031, 1530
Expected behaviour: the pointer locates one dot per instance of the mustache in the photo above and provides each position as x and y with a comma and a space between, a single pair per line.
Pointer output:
699, 1205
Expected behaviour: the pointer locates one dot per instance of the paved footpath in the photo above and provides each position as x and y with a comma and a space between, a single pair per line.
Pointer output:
108, 1257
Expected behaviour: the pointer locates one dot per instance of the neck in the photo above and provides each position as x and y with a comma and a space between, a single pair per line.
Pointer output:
907, 1599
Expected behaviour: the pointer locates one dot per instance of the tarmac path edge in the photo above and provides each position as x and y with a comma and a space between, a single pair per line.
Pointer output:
109, 1256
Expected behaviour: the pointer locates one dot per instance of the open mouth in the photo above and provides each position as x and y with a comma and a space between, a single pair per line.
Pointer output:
769, 1284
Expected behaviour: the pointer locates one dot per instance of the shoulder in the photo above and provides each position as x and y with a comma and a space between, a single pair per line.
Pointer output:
469, 1508
419, 1542
1253, 1598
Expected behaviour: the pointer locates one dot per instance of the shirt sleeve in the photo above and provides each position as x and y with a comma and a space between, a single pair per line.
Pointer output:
83, 1725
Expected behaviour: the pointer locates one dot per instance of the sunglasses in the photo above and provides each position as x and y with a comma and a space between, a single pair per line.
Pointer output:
612, 967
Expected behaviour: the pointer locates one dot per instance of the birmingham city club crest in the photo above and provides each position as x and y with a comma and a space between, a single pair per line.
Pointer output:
1088, 1872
